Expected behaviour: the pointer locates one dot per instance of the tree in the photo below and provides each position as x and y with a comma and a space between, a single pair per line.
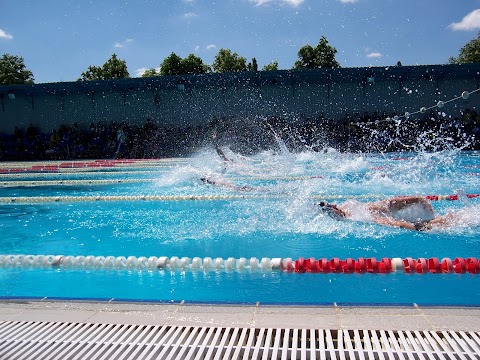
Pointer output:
253, 66
194, 65
307, 58
175, 65
171, 65
150, 73
114, 68
470, 53
272, 66
92, 73
14, 71
322, 56
226, 61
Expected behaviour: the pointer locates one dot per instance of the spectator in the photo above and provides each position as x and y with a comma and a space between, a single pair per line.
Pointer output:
122, 142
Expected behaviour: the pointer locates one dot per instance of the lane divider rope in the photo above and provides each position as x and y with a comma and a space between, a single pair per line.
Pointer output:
73, 163
33, 183
92, 165
407, 265
76, 172
273, 178
440, 104
49, 199
64, 199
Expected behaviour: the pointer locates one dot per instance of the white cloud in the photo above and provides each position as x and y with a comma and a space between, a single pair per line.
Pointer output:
5, 35
471, 21
374, 55
190, 15
141, 71
122, 44
348, 1
287, 2
207, 48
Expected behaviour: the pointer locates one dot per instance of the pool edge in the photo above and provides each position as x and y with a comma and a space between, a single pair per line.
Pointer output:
334, 316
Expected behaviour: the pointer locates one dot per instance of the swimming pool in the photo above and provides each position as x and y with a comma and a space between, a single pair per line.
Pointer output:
264, 210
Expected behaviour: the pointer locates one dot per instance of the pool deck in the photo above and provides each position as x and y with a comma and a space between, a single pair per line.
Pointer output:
321, 317
104, 330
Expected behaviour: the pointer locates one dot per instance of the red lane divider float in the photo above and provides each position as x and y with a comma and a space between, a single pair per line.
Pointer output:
385, 265
449, 197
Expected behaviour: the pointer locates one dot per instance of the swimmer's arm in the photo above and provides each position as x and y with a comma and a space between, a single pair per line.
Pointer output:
395, 223
401, 202
221, 153
444, 220
217, 147
226, 184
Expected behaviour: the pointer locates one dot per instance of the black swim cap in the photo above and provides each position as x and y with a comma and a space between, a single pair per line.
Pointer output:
332, 211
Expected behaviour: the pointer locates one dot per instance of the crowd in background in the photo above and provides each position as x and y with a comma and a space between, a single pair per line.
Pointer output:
97, 141
354, 132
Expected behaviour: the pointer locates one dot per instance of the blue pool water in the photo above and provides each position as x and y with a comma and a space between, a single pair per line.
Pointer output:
277, 218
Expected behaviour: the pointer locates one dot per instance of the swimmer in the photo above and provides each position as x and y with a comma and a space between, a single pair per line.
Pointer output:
226, 184
408, 212
217, 147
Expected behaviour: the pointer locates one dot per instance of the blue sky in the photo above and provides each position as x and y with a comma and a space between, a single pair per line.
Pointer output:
59, 39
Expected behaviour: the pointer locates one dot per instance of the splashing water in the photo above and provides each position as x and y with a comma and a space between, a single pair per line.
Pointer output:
298, 180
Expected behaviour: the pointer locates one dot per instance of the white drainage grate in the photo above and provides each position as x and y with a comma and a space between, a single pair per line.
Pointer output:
58, 340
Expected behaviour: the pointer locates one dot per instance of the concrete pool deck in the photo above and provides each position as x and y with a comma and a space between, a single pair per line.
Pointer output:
181, 314
45, 329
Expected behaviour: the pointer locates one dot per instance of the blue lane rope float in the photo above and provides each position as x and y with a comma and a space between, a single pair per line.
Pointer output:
407, 265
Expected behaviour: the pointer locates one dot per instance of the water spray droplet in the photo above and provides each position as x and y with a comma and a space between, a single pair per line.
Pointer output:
407, 115
423, 109
465, 95
440, 104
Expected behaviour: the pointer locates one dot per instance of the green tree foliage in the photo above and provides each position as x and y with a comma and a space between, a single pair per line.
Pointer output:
194, 65
150, 73
172, 65
272, 66
226, 61
252, 66
175, 65
92, 73
14, 71
321, 56
470, 53
307, 58
114, 68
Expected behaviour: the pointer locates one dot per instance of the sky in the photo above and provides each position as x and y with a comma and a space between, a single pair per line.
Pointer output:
59, 39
